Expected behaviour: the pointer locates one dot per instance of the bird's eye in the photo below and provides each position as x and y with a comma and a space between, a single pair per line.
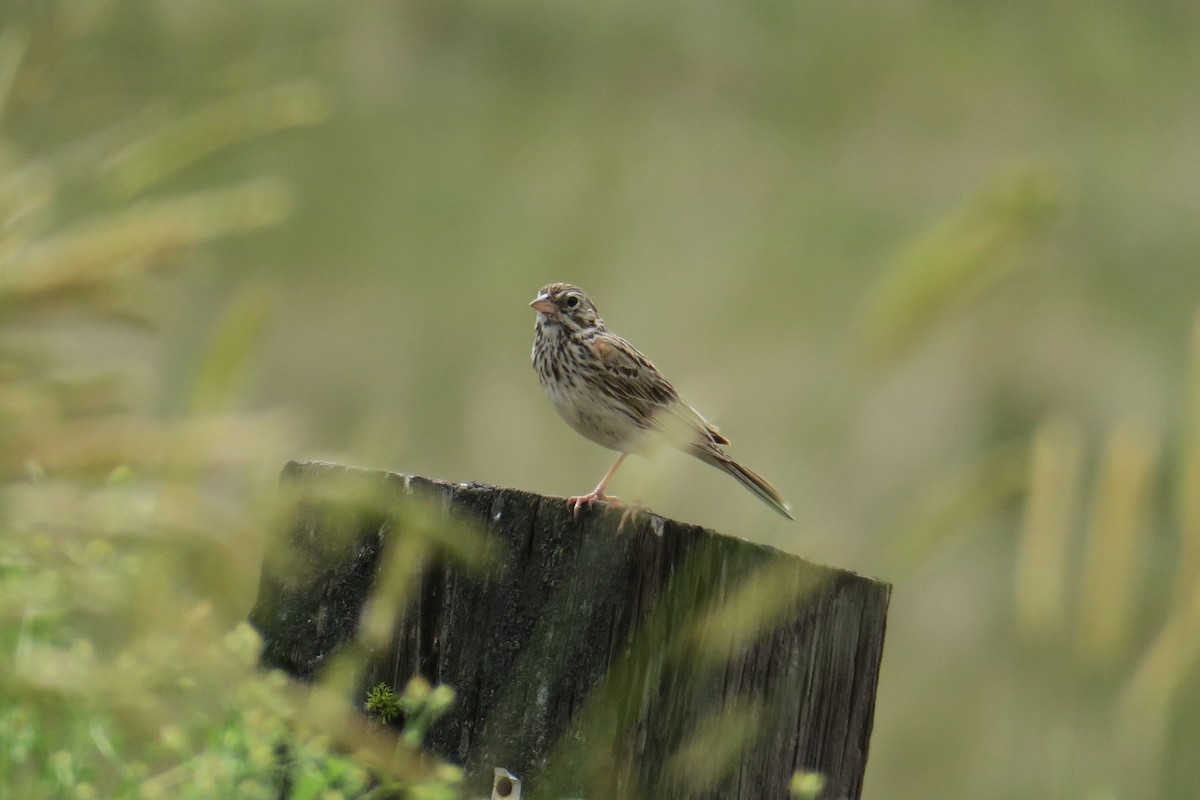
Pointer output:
572, 301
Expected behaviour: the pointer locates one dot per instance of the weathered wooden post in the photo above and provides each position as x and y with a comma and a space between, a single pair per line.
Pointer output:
667, 662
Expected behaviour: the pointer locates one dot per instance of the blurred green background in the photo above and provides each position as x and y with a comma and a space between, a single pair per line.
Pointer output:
933, 267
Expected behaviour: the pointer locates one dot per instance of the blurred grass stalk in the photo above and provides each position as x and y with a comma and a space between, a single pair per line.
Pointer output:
1147, 705
713, 748
417, 530
1113, 556
1112, 559
702, 638
1188, 505
115, 248
957, 260
1110, 588
761, 603
182, 142
131, 540
1146, 708
13, 44
1042, 569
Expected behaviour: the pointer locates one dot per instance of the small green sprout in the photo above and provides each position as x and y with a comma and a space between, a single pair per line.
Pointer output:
383, 703
420, 703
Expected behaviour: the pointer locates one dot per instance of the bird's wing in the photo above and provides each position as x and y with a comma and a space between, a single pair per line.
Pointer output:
631, 378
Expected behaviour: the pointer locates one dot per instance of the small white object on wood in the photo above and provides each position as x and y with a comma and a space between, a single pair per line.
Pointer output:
505, 785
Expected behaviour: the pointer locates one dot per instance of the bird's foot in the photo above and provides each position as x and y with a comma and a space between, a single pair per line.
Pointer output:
630, 513
576, 504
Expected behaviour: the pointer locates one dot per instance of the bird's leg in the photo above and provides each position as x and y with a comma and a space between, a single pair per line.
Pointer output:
597, 494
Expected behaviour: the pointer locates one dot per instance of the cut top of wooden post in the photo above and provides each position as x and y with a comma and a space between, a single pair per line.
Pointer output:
667, 662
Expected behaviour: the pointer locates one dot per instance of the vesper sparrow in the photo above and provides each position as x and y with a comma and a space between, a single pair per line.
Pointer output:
609, 392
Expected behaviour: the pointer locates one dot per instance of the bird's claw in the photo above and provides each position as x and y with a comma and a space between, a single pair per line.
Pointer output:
577, 503
629, 511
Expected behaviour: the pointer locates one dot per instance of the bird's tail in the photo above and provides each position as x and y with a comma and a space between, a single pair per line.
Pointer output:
751, 480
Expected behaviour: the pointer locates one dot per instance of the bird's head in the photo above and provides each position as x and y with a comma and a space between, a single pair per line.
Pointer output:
566, 305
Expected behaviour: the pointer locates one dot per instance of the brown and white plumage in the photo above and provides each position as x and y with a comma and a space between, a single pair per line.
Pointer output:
610, 392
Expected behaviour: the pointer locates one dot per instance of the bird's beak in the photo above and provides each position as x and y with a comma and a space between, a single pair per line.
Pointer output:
542, 304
